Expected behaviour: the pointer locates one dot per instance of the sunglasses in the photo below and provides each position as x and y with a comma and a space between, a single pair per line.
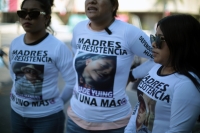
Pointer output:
31, 14
158, 40
30, 71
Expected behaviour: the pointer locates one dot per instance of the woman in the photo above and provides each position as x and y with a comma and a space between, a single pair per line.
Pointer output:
107, 109
174, 83
38, 52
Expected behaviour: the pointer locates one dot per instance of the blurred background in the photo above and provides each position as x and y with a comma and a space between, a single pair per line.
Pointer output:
66, 14
142, 13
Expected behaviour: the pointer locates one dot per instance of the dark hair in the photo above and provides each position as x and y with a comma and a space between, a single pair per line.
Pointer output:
46, 6
182, 35
80, 62
115, 3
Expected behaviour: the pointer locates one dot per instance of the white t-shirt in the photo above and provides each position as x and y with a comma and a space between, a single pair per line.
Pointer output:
102, 63
34, 70
167, 104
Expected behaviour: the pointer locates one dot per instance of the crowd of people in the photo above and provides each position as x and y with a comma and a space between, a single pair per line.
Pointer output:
96, 72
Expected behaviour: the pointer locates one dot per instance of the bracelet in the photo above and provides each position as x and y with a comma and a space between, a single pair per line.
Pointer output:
131, 77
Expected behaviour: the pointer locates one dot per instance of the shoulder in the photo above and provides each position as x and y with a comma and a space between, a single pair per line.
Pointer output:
17, 41
186, 85
81, 26
19, 38
126, 26
187, 90
54, 40
156, 67
126, 29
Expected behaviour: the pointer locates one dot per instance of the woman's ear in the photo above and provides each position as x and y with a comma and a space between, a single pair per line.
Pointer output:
114, 8
47, 19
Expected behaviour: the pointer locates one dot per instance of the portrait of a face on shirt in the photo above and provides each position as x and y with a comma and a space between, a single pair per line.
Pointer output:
96, 71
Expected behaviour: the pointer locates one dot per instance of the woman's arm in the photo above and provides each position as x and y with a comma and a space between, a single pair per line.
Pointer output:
185, 108
65, 66
142, 70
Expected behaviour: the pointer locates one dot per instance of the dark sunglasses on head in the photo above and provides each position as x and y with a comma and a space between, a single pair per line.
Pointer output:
158, 40
31, 14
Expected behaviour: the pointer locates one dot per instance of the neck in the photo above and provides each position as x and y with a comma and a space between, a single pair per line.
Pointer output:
167, 70
32, 37
98, 26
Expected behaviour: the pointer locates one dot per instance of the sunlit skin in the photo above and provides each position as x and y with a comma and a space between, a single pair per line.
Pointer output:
141, 116
98, 71
34, 28
162, 55
100, 13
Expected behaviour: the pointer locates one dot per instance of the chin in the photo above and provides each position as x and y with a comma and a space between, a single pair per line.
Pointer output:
92, 16
27, 30
156, 61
